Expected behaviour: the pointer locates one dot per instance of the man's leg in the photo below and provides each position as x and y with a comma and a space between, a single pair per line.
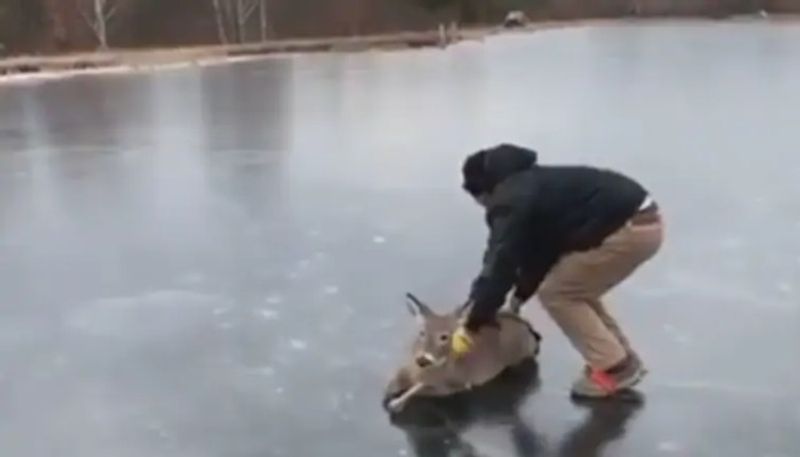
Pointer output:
611, 323
567, 296
634, 246
571, 294
601, 308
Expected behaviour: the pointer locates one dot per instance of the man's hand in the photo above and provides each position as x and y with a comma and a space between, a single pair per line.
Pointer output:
461, 342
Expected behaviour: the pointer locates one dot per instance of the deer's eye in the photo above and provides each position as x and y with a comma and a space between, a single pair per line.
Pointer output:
444, 337
422, 333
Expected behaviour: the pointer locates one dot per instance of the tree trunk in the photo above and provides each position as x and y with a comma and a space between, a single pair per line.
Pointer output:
230, 19
241, 20
637, 9
263, 14
223, 36
100, 23
57, 13
467, 12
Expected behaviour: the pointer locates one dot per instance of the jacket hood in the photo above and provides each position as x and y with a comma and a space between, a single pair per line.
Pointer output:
485, 169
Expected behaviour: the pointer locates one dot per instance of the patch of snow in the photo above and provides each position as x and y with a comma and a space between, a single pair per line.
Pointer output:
732, 242
678, 336
682, 339
298, 345
719, 387
339, 362
131, 317
331, 290
159, 298
60, 361
45, 76
224, 60
378, 239
191, 278
266, 371
268, 314
158, 428
669, 446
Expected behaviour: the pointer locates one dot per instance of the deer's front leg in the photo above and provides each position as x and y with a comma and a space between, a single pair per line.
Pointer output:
396, 405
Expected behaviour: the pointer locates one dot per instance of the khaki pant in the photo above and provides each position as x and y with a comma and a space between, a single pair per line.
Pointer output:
572, 292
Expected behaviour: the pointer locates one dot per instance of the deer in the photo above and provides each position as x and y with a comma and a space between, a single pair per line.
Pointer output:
433, 371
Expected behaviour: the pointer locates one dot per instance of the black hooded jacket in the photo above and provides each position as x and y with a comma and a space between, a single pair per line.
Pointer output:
535, 215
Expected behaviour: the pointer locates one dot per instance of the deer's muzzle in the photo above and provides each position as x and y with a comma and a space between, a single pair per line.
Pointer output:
425, 360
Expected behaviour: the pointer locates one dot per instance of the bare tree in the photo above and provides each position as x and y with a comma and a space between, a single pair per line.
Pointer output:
220, 17
235, 14
637, 9
244, 9
98, 14
263, 19
56, 13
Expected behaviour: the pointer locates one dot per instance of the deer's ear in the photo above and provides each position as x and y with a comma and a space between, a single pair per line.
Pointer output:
463, 310
417, 308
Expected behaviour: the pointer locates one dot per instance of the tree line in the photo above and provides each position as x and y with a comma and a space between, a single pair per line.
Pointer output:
53, 26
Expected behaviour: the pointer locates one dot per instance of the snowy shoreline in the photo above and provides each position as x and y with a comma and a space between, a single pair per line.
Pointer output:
36, 69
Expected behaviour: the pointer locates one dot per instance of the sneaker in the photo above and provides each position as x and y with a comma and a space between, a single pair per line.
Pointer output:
603, 384
632, 354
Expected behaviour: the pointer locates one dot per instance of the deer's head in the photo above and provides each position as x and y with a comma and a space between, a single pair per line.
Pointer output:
432, 345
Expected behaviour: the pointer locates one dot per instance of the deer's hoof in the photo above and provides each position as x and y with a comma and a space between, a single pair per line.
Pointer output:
395, 405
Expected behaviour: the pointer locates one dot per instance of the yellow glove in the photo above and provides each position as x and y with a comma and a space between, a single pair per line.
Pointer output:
461, 342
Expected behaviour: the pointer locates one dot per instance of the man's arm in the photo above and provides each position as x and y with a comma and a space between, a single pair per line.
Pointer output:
500, 263
531, 277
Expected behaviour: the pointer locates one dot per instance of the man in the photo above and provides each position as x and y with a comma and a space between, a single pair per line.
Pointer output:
570, 233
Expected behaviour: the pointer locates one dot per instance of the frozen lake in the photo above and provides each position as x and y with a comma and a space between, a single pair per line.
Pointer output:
212, 261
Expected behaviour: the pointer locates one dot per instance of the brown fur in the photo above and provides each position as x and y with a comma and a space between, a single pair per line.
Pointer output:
512, 341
